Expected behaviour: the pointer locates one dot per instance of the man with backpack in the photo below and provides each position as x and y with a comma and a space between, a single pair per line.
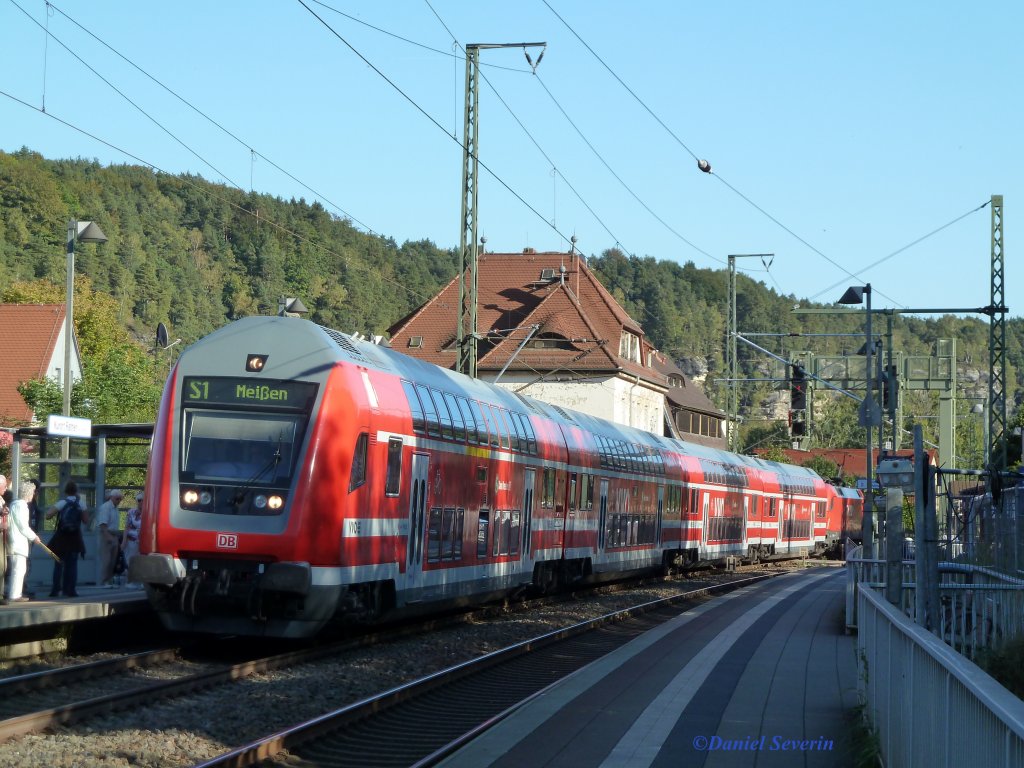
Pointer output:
67, 542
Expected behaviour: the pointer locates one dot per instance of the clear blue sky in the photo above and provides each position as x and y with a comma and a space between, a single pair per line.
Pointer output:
838, 133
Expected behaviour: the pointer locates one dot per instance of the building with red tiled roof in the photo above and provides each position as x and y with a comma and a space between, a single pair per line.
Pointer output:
549, 329
852, 462
31, 347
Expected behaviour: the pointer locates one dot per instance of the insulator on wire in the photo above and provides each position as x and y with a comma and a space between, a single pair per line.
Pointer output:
704, 165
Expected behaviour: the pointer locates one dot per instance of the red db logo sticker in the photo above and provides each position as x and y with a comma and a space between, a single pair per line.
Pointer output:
227, 541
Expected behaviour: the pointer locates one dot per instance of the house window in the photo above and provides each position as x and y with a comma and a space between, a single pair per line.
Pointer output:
415, 341
629, 346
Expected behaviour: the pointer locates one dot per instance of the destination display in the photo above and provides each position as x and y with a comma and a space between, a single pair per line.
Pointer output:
274, 393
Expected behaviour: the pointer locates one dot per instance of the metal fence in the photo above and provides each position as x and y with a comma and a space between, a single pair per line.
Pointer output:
979, 607
928, 704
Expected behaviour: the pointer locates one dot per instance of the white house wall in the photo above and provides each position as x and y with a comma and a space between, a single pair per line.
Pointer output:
621, 401
55, 368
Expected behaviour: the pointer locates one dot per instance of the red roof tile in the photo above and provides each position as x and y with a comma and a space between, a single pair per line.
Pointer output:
28, 336
554, 291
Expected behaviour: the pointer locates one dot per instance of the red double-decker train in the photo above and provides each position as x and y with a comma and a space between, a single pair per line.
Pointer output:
299, 475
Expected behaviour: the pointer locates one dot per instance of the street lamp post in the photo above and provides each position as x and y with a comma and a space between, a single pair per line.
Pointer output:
869, 415
86, 232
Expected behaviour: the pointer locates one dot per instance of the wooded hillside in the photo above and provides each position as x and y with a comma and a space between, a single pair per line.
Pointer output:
196, 255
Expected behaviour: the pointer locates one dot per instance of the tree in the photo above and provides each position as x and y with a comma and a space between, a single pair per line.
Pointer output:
826, 468
775, 453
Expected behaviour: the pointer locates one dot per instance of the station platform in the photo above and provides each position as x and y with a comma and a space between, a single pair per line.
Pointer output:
763, 676
51, 624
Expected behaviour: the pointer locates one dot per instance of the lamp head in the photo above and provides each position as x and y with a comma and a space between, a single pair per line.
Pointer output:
89, 232
854, 295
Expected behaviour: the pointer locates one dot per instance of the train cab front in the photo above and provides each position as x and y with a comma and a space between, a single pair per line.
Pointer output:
230, 556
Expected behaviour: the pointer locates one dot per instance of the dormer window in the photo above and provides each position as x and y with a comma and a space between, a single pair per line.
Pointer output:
629, 346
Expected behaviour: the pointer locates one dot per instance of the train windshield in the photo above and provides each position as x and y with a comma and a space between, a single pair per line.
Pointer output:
241, 447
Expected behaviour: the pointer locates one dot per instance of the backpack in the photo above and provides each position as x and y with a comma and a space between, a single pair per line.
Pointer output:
70, 518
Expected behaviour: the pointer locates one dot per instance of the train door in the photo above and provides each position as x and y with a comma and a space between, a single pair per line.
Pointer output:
785, 510
528, 481
417, 515
603, 517
705, 533
745, 523
661, 510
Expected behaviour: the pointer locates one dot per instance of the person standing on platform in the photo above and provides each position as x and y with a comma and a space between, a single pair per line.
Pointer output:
130, 537
108, 521
36, 521
20, 537
3, 540
67, 542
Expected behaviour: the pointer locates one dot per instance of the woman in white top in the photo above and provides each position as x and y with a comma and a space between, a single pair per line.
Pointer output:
19, 538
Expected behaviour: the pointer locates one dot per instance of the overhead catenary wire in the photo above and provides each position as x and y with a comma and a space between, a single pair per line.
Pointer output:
240, 208
529, 135
253, 152
907, 246
429, 117
125, 96
701, 163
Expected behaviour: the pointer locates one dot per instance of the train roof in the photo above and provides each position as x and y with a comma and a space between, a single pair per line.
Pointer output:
290, 335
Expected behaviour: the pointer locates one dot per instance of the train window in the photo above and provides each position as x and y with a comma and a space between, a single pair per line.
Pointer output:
447, 528
821, 509
572, 490
513, 435
517, 424
489, 433
434, 536
501, 426
358, 476
415, 409
586, 492
500, 530
530, 436
429, 412
481, 533
547, 498
481, 475
492, 426
393, 482
460, 521
443, 417
513, 538
458, 424
467, 414
240, 447
602, 450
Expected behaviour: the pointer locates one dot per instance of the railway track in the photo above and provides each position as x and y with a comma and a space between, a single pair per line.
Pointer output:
401, 727
170, 689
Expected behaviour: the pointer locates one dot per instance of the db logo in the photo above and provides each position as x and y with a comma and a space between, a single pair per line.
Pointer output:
227, 541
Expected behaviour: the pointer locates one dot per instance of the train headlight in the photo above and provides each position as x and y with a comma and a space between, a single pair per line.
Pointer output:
260, 501
190, 496
255, 363
275, 502
205, 498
